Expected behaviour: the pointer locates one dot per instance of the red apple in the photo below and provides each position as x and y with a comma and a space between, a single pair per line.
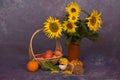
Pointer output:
48, 54
40, 57
58, 53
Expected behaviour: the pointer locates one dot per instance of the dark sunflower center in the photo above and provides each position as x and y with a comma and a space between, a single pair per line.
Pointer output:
73, 10
73, 18
93, 20
53, 27
69, 26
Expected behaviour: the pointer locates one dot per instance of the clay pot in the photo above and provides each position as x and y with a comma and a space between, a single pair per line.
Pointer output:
73, 51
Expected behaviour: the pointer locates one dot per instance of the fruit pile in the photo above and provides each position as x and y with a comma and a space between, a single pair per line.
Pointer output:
49, 54
72, 67
33, 65
67, 68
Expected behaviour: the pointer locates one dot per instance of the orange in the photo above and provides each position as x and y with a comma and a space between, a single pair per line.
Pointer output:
32, 66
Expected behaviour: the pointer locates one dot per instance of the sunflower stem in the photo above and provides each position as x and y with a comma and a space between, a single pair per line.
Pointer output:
85, 12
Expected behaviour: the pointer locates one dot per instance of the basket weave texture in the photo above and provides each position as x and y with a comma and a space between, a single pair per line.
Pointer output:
32, 55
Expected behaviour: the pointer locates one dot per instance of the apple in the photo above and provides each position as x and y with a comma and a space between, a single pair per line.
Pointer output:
48, 54
58, 53
41, 57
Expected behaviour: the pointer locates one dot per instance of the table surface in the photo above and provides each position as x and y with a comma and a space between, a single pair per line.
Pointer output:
97, 67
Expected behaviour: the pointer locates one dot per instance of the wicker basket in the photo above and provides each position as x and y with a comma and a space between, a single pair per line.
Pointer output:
32, 55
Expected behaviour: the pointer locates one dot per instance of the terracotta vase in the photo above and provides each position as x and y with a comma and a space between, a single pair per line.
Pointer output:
73, 51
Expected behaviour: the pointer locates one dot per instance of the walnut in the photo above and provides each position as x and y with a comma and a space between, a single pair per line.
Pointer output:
70, 67
78, 70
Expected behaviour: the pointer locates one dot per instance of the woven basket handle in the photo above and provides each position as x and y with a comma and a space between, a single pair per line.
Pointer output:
31, 52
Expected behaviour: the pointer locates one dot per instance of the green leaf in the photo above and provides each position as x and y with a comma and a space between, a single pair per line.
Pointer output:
85, 12
77, 41
48, 65
66, 17
93, 37
68, 40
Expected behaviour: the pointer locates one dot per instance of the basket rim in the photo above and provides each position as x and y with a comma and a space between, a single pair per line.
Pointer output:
48, 58
31, 52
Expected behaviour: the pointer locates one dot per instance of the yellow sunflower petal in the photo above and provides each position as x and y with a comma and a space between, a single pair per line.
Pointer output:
94, 21
69, 26
73, 8
52, 28
73, 18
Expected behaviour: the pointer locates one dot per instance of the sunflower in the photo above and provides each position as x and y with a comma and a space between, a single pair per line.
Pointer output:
73, 18
73, 8
52, 28
69, 27
94, 21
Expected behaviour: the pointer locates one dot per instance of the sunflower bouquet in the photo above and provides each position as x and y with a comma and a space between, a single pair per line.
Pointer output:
72, 26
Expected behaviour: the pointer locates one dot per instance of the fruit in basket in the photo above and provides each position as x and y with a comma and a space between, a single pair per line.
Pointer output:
40, 57
58, 53
54, 56
48, 54
32, 66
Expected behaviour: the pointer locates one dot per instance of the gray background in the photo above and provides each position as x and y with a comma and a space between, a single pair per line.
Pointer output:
20, 18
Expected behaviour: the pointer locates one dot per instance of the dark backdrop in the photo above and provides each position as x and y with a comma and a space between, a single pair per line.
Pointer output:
20, 18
